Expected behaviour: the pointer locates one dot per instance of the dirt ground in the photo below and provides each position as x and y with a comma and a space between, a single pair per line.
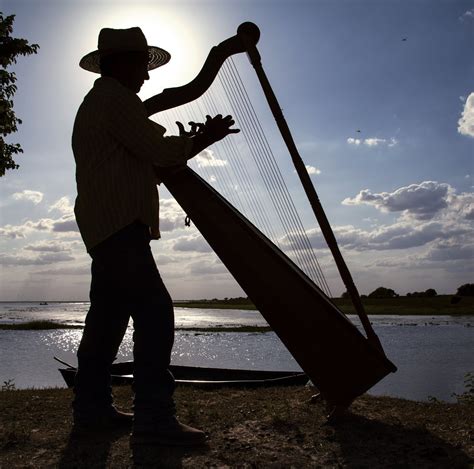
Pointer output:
272, 427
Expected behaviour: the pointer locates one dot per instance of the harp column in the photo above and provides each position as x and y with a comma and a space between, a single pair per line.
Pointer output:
248, 32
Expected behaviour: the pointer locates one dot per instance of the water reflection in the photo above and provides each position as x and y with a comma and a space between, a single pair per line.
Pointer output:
432, 353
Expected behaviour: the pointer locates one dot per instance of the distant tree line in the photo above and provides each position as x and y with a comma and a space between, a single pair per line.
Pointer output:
430, 293
240, 300
382, 292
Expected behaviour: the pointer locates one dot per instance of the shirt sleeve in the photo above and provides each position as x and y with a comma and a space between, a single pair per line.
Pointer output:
144, 138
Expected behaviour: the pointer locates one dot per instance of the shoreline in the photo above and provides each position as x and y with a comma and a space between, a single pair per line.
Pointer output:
445, 305
273, 427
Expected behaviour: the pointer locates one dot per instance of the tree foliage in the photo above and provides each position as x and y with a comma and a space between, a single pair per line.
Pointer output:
466, 290
430, 293
10, 49
382, 292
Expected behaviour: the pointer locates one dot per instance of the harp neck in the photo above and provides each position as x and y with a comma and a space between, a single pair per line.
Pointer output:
246, 38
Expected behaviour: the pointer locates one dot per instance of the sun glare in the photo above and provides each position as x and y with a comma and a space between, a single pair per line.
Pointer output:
163, 28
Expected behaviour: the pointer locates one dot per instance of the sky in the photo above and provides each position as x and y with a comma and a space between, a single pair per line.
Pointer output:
379, 96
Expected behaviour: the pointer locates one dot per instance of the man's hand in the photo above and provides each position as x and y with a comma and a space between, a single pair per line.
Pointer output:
219, 127
196, 128
213, 130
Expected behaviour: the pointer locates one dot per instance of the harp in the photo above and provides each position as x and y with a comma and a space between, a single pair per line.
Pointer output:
338, 358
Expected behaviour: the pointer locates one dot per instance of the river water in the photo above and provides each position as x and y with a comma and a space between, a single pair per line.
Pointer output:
432, 353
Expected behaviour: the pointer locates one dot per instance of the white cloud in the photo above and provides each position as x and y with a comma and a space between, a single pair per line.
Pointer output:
421, 201
432, 215
171, 215
46, 246
63, 205
311, 170
207, 158
354, 141
468, 15
64, 224
32, 196
373, 141
466, 121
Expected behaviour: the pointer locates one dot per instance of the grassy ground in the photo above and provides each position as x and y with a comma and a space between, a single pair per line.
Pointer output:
274, 427
403, 305
37, 325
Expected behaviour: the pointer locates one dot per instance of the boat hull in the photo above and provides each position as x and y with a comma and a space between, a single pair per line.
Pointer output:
122, 374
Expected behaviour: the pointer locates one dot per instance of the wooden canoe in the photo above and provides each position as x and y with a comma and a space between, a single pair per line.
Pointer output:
122, 374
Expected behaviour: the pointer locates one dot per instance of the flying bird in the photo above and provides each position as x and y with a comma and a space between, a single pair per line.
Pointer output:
405, 39
358, 131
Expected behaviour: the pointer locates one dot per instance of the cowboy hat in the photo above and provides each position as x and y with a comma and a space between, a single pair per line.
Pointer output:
113, 41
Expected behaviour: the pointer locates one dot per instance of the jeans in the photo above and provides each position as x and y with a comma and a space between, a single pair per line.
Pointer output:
126, 282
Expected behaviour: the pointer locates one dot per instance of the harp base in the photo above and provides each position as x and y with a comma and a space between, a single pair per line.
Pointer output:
335, 412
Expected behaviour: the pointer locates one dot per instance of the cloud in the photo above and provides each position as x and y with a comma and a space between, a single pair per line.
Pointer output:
77, 270
446, 251
400, 235
431, 214
208, 267
194, 243
47, 246
171, 215
467, 15
421, 201
372, 141
62, 205
165, 260
12, 232
32, 196
207, 158
42, 259
64, 224
466, 121
311, 170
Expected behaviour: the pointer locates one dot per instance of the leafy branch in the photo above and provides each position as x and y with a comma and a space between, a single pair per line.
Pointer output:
10, 49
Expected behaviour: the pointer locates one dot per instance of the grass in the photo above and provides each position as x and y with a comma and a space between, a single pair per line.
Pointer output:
38, 325
403, 305
272, 427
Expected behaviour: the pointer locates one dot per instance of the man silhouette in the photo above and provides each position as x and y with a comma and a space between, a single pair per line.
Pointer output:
118, 150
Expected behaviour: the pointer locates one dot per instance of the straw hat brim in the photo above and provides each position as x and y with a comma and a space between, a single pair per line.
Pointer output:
157, 58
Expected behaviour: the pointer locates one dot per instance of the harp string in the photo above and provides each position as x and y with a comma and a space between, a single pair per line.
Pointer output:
277, 184
248, 189
237, 179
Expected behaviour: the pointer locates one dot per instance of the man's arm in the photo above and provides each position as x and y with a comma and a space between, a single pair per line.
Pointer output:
202, 136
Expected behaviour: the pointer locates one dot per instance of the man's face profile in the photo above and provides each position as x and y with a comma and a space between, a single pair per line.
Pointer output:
129, 68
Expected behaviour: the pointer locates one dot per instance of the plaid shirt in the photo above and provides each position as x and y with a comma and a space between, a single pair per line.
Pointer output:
115, 146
